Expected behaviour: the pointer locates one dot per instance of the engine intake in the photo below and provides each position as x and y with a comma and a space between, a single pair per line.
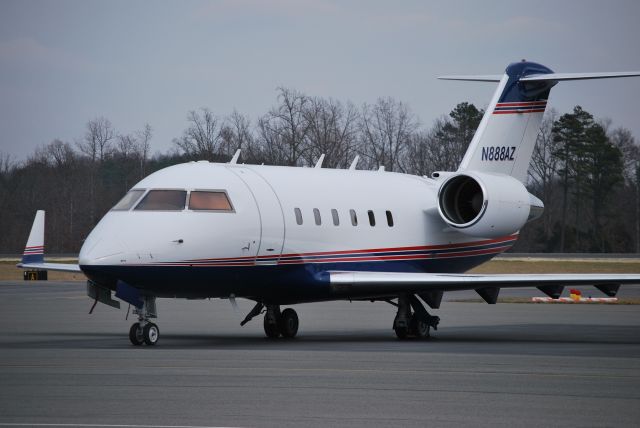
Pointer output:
486, 205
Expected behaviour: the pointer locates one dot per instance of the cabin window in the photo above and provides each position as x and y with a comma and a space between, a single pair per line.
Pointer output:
298, 215
372, 218
336, 219
128, 200
163, 200
389, 219
200, 200
316, 216
354, 217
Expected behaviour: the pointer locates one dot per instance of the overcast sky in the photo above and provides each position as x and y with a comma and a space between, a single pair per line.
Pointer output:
63, 63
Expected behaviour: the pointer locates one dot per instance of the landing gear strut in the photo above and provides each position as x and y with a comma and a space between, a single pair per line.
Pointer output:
276, 323
145, 331
418, 323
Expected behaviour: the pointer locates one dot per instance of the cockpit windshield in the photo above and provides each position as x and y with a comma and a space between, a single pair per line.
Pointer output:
128, 200
163, 200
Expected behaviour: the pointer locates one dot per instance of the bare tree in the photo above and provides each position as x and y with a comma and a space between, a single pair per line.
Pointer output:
543, 168
6, 164
202, 139
282, 131
126, 145
331, 130
386, 128
236, 133
97, 139
143, 147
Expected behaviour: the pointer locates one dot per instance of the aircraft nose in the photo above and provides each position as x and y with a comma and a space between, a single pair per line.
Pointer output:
102, 247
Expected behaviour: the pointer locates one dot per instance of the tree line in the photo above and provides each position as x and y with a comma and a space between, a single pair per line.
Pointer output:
585, 170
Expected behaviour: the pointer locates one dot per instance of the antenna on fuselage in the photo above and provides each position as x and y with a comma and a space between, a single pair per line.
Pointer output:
319, 163
235, 157
354, 163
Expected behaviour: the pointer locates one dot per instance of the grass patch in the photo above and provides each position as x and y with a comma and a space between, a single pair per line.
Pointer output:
9, 272
559, 266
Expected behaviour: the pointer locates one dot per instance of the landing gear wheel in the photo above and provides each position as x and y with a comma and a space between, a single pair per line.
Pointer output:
151, 334
420, 327
136, 334
271, 329
289, 323
402, 332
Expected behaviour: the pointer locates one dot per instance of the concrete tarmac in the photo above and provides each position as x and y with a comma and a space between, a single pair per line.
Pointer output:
488, 365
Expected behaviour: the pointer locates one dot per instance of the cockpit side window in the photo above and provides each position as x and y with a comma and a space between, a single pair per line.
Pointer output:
163, 200
202, 200
128, 200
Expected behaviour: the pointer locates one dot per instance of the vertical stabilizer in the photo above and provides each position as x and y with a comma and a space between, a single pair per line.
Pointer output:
506, 136
34, 251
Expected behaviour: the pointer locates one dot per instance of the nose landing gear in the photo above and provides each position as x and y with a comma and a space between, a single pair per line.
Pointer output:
145, 331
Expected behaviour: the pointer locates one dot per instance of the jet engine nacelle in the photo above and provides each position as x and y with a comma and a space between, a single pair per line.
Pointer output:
486, 205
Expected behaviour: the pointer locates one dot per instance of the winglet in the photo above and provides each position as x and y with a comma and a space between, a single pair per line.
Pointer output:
235, 157
354, 164
34, 251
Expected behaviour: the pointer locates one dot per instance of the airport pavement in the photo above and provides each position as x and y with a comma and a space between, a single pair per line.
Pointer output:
499, 365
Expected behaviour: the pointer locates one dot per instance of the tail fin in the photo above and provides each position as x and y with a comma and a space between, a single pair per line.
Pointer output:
506, 136
34, 251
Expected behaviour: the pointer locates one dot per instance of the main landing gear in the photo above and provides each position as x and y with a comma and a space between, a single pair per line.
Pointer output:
415, 324
145, 331
276, 323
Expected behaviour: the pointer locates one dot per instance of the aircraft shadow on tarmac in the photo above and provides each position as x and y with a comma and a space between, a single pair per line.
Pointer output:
521, 338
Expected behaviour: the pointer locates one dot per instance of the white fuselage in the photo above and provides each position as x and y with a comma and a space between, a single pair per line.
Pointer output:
263, 228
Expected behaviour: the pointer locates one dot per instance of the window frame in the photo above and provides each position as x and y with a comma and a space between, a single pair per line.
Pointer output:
135, 202
335, 216
226, 194
317, 217
354, 217
298, 214
390, 221
372, 218
184, 208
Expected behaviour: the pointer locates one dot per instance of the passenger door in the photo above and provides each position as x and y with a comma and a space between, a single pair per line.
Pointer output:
271, 215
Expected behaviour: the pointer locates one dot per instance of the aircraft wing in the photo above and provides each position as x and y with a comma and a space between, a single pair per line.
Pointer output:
33, 256
61, 267
389, 283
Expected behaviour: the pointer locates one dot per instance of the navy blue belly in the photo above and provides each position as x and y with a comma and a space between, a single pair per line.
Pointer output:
283, 284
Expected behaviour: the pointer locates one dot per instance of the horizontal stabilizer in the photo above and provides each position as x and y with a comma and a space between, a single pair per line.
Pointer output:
476, 78
557, 77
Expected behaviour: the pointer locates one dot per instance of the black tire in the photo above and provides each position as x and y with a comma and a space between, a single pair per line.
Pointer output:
420, 327
289, 323
402, 332
151, 334
271, 330
136, 334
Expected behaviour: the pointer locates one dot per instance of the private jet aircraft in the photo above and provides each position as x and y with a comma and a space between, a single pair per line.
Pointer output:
286, 235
